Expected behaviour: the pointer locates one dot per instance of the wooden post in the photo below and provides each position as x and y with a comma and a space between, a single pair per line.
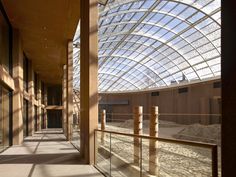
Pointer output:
31, 102
153, 144
103, 124
204, 109
88, 78
64, 102
17, 111
138, 126
214, 161
69, 89
39, 104
46, 103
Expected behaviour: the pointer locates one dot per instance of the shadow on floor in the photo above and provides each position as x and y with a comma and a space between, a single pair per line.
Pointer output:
48, 132
45, 154
66, 158
44, 140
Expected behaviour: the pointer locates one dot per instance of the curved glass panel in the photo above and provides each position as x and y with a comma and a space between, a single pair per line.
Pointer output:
148, 44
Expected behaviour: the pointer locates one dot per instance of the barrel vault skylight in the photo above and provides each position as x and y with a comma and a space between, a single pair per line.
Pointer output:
149, 44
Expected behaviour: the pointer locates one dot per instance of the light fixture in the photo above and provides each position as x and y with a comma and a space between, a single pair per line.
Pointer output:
102, 2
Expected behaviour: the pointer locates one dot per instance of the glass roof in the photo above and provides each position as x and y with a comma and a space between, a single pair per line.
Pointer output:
149, 44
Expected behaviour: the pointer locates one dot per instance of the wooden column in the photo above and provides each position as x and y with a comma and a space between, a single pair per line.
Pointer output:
18, 93
39, 104
153, 144
88, 77
138, 127
69, 89
205, 109
46, 103
228, 74
31, 101
103, 124
64, 100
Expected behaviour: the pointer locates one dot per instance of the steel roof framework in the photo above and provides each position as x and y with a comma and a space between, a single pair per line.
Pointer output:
148, 44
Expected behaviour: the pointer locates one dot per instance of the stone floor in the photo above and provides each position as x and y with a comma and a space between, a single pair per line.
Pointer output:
46, 154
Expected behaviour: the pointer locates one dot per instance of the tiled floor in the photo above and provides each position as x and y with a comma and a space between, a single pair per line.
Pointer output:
46, 154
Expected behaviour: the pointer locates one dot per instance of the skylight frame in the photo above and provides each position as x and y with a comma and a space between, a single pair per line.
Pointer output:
170, 67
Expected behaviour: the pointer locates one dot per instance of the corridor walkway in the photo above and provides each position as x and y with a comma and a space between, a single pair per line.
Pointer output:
46, 154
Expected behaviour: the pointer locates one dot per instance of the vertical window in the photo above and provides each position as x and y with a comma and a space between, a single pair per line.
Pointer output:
5, 94
42, 119
42, 93
4, 43
25, 118
35, 118
54, 95
4, 118
25, 73
54, 118
36, 86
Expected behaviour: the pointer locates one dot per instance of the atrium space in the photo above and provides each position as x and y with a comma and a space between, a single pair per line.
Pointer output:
118, 88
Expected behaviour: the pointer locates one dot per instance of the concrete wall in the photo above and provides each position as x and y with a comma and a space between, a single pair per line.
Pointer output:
201, 98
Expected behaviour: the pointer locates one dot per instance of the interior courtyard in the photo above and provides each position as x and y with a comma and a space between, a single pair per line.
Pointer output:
121, 88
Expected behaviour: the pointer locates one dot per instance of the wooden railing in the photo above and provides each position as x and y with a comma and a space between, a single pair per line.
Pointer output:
211, 147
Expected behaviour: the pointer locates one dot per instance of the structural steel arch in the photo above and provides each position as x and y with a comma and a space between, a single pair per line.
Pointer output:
182, 47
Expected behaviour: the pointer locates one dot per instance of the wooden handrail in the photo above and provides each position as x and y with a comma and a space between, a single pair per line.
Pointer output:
212, 147
165, 114
184, 142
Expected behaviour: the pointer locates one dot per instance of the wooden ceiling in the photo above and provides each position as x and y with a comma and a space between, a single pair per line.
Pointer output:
45, 27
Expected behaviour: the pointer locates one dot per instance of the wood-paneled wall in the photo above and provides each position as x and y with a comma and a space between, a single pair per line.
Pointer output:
201, 98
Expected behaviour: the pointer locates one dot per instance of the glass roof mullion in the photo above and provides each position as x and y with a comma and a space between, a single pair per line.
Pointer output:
122, 78
169, 59
191, 25
182, 33
134, 27
153, 60
146, 44
135, 64
133, 75
193, 65
108, 81
196, 72
138, 69
173, 49
188, 5
196, 49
